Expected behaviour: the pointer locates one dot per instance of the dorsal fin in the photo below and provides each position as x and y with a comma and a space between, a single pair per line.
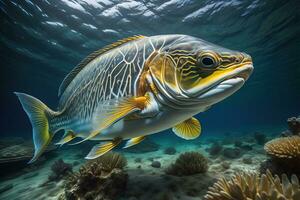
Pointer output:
68, 79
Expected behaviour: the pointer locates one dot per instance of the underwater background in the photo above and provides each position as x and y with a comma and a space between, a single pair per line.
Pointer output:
41, 41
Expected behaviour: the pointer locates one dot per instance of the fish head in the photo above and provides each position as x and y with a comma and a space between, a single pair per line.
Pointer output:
193, 72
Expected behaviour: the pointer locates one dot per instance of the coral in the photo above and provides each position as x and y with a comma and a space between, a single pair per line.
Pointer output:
170, 151
188, 163
59, 170
215, 149
110, 161
232, 153
294, 125
260, 138
251, 186
284, 155
284, 148
102, 178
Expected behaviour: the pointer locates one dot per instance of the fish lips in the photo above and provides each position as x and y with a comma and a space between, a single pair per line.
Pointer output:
226, 86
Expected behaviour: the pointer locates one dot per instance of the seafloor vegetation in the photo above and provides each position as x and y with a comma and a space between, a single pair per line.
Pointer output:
253, 166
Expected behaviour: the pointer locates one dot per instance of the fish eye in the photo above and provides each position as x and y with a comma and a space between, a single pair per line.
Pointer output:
207, 61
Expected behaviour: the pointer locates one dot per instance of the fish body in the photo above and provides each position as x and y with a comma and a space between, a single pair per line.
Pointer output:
112, 75
136, 87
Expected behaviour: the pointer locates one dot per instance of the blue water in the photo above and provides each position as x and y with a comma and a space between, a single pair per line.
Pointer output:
42, 40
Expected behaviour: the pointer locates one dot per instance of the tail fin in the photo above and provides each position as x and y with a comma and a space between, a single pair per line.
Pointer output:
39, 115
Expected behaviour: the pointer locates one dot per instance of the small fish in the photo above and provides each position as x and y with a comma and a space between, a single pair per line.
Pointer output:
136, 87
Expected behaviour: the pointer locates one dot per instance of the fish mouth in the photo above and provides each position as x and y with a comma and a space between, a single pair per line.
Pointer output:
228, 84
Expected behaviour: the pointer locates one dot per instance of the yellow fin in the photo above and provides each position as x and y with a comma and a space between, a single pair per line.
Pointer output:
115, 110
134, 141
101, 149
68, 79
124, 108
66, 138
39, 115
188, 129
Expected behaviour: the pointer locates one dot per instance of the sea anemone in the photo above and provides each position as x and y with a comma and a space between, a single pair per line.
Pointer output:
188, 163
284, 148
97, 179
251, 186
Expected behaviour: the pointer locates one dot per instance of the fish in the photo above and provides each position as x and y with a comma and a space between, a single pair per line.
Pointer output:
136, 87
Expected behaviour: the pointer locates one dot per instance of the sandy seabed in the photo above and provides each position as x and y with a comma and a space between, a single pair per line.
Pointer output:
145, 181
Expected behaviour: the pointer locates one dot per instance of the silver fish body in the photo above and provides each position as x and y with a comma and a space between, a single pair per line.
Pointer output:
112, 75
136, 87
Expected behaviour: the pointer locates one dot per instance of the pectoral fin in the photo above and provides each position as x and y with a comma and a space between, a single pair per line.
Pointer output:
122, 109
188, 129
134, 141
111, 111
101, 149
68, 136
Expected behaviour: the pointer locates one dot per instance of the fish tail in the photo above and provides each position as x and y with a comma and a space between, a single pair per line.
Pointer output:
40, 116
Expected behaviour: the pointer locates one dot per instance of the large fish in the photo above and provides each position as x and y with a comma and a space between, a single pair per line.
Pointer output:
136, 87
